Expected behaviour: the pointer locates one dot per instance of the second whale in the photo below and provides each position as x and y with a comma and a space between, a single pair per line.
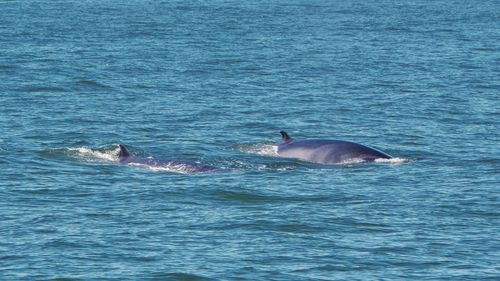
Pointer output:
327, 151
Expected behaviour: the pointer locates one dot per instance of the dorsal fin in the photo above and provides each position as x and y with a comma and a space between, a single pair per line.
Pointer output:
285, 137
123, 151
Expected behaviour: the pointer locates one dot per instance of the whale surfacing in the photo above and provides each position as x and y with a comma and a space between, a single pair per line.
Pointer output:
327, 151
125, 157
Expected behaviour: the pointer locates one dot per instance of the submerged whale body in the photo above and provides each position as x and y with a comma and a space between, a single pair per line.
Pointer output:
327, 151
125, 157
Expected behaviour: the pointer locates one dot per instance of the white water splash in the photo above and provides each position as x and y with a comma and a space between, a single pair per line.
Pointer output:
168, 167
260, 149
94, 155
351, 161
395, 160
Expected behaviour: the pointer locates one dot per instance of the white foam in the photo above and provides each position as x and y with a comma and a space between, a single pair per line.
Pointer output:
90, 154
260, 149
168, 167
395, 160
352, 161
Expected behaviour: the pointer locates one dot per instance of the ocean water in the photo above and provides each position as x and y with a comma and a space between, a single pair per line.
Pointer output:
214, 82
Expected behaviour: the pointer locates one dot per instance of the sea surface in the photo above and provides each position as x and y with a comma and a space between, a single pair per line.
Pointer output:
213, 82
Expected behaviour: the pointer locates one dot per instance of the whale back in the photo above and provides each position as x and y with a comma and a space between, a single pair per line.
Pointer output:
125, 157
329, 151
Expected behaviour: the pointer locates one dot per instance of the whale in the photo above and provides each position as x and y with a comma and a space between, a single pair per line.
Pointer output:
323, 151
125, 157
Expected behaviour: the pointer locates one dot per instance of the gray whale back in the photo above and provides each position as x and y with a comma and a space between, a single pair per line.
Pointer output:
125, 157
327, 151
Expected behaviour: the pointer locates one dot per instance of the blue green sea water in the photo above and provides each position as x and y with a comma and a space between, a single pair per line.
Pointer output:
214, 82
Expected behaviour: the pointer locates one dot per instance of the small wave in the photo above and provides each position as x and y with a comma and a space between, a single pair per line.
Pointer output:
5, 67
180, 276
244, 196
91, 84
260, 149
43, 89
